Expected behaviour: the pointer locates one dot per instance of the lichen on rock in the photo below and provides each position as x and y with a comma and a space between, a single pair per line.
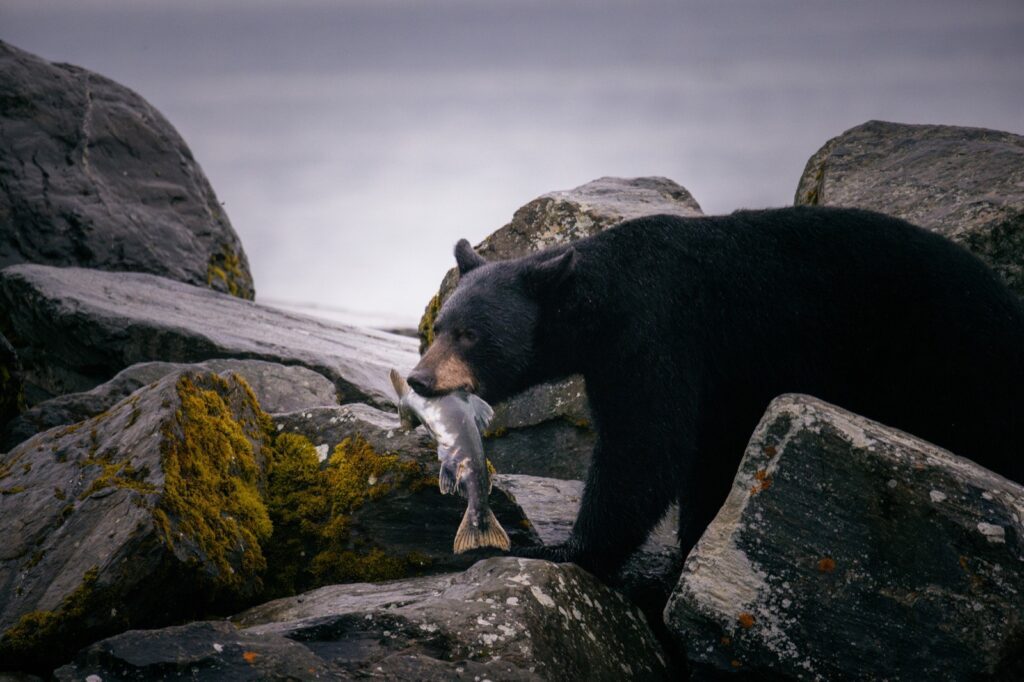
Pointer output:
211, 512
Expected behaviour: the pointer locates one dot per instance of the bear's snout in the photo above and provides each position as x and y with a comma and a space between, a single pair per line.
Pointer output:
422, 382
442, 370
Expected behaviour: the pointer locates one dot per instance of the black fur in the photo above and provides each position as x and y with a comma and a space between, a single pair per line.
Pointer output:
685, 329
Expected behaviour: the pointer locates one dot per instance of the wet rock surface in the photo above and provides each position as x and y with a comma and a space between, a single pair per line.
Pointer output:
503, 618
92, 175
847, 549
967, 184
76, 328
278, 388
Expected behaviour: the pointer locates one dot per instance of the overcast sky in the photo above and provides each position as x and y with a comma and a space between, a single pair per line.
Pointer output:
353, 142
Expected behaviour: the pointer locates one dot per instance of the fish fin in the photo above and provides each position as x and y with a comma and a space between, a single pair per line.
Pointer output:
461, 473
402, 387
489, 534
482, 412
446, 480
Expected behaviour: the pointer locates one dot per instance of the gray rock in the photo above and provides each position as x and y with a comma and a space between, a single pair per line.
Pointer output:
146, 513
278, 388
547, 431
967, 184
325, 427
503, 618
75, 328
507, 619
850, 550
12, 397
94, 176
647, 578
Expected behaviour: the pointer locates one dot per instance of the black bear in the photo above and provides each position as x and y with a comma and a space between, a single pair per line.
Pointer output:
686, 328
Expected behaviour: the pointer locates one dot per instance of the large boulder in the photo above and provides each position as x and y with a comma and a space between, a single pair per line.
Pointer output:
92, 175
850, 550
279, 388
503, 619
547, 431
967, 184
76, 328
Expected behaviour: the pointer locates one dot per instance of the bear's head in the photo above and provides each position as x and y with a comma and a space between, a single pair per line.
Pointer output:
486, 337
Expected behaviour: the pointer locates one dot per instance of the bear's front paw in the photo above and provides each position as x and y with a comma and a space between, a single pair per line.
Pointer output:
557, 553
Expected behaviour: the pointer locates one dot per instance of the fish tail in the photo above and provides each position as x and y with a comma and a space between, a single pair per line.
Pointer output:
489, 534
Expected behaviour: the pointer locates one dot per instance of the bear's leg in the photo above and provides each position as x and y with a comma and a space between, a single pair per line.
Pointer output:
624, 497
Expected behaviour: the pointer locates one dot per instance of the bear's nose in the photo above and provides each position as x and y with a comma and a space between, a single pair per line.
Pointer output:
421, 381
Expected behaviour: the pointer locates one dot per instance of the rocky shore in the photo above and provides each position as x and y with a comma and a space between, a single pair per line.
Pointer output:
196, 485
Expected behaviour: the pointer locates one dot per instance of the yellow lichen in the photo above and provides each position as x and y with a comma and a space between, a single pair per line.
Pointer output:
225, 267
426, 326
211, 505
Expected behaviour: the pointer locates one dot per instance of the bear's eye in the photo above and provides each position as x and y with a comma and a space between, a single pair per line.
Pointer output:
466, 336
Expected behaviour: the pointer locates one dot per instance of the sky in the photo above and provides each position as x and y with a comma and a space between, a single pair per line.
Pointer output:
353, 142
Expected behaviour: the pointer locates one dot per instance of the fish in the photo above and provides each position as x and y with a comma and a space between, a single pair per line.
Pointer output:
456, 420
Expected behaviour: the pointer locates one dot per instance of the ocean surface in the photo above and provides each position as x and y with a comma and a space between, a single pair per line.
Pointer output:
353, 143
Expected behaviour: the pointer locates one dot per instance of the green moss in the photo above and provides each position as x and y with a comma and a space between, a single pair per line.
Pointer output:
33, 638
311, 511
225, 268
211, 503
426, 326
13, 490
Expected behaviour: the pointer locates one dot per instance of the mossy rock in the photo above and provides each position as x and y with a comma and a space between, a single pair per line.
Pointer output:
162, 494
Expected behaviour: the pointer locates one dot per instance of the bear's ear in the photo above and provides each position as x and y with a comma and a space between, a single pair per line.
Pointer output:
466, 258
551, 273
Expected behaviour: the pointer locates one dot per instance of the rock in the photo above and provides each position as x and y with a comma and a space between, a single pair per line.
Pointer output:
547, 431
12, 396
278, 388
94, 176
647, 578
504, 618
76, 328
146, 513
967, 184
325, 427
850, 550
